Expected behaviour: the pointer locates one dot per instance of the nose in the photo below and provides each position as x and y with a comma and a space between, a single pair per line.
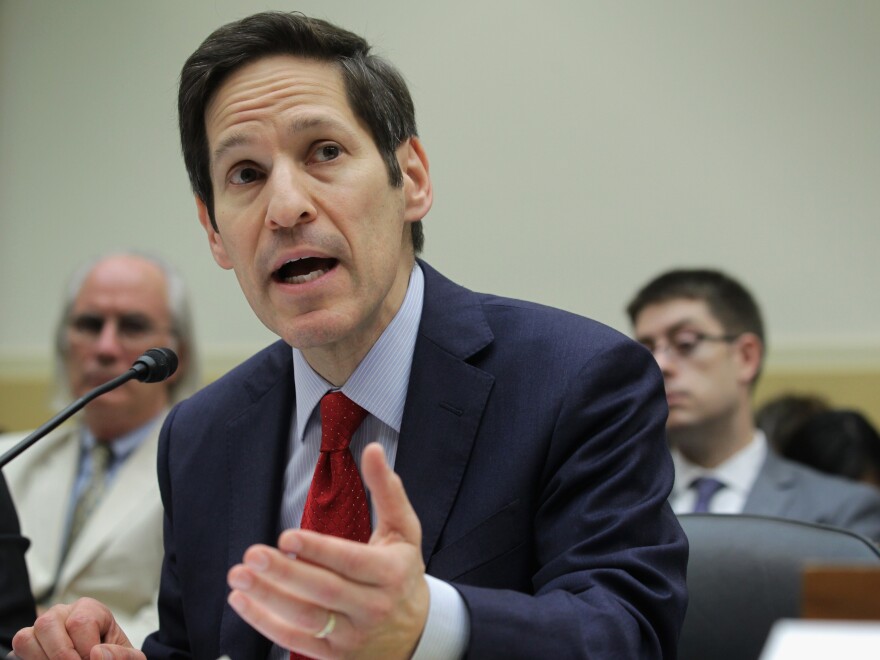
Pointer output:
661, 355
291, 200
108, 345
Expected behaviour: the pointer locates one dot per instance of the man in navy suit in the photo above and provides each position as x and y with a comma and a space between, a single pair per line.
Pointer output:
514, 455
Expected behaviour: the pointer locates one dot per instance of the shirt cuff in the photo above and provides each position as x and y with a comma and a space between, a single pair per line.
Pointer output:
448, 626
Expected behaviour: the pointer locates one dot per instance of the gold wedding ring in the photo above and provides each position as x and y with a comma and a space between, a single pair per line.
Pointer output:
328, 627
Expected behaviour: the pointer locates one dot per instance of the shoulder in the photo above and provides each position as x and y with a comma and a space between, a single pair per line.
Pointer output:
57, 446
242, 385
510, 322
826, 490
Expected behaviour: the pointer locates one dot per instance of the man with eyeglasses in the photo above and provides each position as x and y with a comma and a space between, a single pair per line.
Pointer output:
87, 494
706, 333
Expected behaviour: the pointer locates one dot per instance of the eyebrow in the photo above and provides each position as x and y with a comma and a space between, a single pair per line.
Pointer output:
228, 143
299, 125
669, 331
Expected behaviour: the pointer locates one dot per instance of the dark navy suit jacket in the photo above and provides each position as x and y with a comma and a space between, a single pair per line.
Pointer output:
532, 448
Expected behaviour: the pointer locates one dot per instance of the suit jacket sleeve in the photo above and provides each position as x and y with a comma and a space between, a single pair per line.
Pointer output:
16, 603
608, 574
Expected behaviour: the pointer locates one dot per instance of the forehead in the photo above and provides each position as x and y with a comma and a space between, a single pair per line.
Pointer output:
124, 284
660, 318
274, 86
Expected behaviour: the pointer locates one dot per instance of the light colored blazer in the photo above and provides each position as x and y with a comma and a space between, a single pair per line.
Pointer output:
786, 489
117, 557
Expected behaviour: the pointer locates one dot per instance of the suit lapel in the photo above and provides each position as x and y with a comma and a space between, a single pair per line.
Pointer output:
256, 443
133, 483
444, 404
773, 491
56, 455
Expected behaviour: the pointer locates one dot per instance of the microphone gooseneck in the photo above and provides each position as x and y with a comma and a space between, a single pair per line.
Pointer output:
154, 366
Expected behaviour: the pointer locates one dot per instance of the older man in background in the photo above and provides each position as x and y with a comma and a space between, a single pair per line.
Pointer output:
87, 494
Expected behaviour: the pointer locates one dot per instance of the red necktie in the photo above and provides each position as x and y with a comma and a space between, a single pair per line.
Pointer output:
337, 502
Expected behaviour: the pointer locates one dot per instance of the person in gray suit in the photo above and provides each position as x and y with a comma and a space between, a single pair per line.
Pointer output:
706, 333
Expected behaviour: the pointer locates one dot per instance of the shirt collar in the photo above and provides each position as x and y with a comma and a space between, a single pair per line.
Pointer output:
122, 447
380, 381
737, 473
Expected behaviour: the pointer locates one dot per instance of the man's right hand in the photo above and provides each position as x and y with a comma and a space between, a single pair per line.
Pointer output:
83, 629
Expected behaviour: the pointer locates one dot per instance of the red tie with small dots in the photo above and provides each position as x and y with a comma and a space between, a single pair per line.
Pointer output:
337, 502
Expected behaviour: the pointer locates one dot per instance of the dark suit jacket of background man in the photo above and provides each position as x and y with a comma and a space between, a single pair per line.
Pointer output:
16, 602
532, 448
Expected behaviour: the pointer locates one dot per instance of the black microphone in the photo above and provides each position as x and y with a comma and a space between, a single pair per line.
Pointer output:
154, 366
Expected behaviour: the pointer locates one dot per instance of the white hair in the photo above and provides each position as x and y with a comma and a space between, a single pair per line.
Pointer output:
188, 380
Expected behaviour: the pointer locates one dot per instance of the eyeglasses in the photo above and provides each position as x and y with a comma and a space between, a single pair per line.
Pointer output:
681, 344
132, 330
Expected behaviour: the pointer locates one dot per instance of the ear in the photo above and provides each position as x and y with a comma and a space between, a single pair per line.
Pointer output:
750, 352
417, 187
214, 238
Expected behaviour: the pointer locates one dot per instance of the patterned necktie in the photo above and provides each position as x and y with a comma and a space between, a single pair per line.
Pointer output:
706, 488
337, 502
100, 455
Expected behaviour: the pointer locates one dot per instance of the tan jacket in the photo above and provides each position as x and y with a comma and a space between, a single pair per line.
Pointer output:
117, 557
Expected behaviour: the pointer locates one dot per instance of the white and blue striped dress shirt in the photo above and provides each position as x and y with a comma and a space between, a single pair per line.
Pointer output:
379, 386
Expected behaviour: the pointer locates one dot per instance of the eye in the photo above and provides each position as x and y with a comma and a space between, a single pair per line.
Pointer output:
87, 324
134, 326
241, 176
648, 344
327, 152
685, 342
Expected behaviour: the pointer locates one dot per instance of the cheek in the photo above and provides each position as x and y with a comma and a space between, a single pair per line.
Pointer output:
75, 360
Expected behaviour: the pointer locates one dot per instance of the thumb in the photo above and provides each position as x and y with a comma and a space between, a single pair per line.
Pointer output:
395, 517
115, 652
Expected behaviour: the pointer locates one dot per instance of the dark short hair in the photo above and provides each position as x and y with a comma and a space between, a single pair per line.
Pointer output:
841, 442
781, 417
728, 300
376, 91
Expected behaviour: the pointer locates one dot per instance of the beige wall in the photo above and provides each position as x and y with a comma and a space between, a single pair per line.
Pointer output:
577, 149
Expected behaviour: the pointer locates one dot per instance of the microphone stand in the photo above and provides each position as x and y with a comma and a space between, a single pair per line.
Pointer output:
74, 407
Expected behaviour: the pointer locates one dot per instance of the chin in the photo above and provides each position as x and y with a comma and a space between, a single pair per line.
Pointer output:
316, 329
677, 422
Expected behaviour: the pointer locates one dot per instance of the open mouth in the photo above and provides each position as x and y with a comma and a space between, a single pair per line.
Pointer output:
300, 271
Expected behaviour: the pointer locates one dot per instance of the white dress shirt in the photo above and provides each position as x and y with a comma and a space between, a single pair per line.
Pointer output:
737, 473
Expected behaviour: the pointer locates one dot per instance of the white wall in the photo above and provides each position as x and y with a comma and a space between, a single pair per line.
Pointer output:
577, 148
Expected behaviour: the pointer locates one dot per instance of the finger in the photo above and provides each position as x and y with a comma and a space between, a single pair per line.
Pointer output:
89, 623
48, 638
115, 652
330, 565
394, 513
278, 628
26, 646
298, 593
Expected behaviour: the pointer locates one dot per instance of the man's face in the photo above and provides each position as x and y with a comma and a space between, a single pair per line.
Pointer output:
703, 370
317, 236
120, 312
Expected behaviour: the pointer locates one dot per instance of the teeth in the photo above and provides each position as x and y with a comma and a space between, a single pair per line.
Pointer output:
308, 277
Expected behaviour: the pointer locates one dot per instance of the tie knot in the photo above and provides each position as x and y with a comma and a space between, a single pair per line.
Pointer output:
101, 453
340, 417
706, 488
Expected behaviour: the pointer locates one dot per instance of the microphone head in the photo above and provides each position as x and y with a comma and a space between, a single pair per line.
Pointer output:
155, 365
